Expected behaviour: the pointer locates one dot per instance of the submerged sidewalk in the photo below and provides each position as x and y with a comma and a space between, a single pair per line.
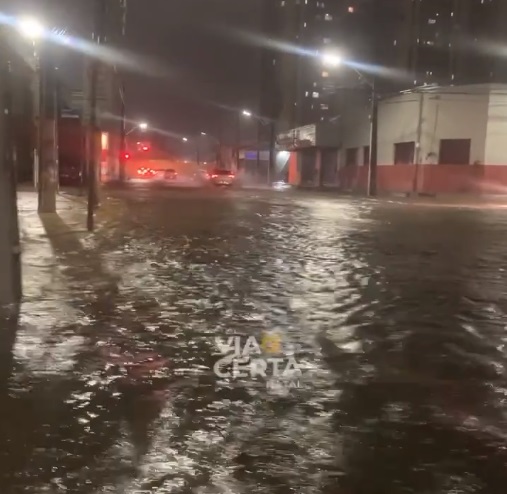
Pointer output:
62, 276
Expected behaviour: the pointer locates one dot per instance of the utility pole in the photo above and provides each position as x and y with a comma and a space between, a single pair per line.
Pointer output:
258, 156
123, 134
272, 146
10, 252
372, 165
123, 107
93, 136
48, 173
418, 155
220, 150
238, 141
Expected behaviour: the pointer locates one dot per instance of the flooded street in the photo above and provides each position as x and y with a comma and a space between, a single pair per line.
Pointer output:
395, 314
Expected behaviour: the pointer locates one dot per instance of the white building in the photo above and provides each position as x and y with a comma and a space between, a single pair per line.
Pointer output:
433, 140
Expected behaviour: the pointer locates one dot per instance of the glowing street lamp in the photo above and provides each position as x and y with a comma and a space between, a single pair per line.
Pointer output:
143, 126
31, 28
332, 60
185, 139
204, 134
246, 113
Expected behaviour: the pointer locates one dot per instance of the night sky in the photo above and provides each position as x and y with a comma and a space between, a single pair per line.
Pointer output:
201, 66
184, 35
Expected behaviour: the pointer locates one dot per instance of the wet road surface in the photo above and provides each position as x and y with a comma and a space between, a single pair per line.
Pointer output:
394, 313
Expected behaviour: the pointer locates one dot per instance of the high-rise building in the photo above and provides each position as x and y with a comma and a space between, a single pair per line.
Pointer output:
456, 41
424, 41
305, 28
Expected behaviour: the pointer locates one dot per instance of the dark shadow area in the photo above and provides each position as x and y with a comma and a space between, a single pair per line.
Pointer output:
9, 318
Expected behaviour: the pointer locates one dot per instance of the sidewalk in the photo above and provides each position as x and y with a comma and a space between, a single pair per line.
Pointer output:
438, 200
48, 239
62, 278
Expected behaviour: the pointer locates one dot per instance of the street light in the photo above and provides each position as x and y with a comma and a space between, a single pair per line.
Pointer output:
204, 134
246, 113
185, 139
330, 59
31, 28
143, 126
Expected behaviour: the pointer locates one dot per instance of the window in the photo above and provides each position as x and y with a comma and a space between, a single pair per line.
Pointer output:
328, 17
454, 152
351, 157
366, 155
315, 94
404, 153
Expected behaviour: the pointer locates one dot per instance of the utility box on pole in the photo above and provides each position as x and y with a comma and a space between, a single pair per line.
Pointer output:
10, 253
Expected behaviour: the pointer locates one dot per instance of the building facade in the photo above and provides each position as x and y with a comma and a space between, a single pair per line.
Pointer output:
434, 140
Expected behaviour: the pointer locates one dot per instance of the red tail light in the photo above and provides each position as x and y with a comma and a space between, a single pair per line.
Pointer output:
214, 176
231, 175
145, 171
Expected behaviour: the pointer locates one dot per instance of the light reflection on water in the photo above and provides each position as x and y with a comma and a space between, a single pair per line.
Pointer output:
399, 312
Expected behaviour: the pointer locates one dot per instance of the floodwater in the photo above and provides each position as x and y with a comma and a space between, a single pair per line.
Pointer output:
394, 314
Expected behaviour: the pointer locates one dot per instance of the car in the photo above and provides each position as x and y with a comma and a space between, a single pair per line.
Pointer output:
222, 177
170, 174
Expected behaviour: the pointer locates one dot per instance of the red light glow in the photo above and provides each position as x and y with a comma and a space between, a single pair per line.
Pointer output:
145, 171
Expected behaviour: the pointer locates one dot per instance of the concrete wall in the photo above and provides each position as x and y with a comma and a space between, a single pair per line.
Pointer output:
398, 122
496, 139
354, 125
455, 116
442, 116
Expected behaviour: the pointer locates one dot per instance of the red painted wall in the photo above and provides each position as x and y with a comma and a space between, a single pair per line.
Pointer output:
431, 179
294, 175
